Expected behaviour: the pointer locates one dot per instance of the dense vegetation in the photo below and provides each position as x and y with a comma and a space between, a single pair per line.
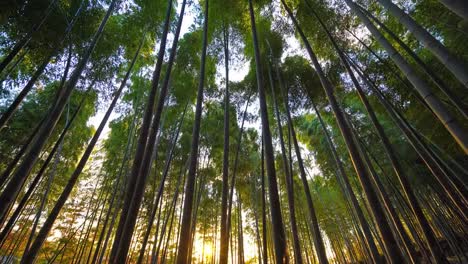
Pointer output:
213, 131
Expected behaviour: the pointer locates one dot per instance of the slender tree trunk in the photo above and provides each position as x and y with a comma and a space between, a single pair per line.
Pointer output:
121, 240
318, 241
224, 240
49, 184
38, 177
158, 222
8, 71
457, 6
155, 250
161, 187
184, 243
94, 210
450, 123
93, 256
240, 230
408, 86
234, 172
145, 164
27, 88
399, 172
275, 207
31, 254
112, 203
14, 245
390, 244
349, 190
88, 258
198, 194
70, 234
393, 217
176, 252
79, 241
6, 173
453, 64
166, 244
455, 194
288, 176
25, 40
264, 223
118, 190
173, 204
19, 98
254, 201
231, 237
12, 189
303, 233
433, 75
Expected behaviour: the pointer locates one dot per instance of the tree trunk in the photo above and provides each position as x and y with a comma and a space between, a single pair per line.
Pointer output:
25, 40
118, 190
457, 6
240, 230
135, 187
49, 181
385, 199
166, 244
185, 234
150, 148
234, 171
264, 224
112, 204
224, 240
19, 98
390, 245
12, 189
171, 215
275, 207
94, 210
198, 195
90, 253
453, 64
450, 123
399, 172
8, 71
287, 174
156, 248
349, 190
27, 88
318, 241
161, 187
408, 86
30, 255
433, 75
254, 201
450, 189
12, 164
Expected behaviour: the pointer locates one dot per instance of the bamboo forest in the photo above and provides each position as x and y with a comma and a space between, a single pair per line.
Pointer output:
233, 131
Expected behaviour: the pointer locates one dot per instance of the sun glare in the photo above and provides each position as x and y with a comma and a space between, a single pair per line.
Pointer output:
208, 250
203, 250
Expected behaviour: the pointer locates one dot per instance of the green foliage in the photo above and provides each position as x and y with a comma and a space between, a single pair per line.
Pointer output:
107, 171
